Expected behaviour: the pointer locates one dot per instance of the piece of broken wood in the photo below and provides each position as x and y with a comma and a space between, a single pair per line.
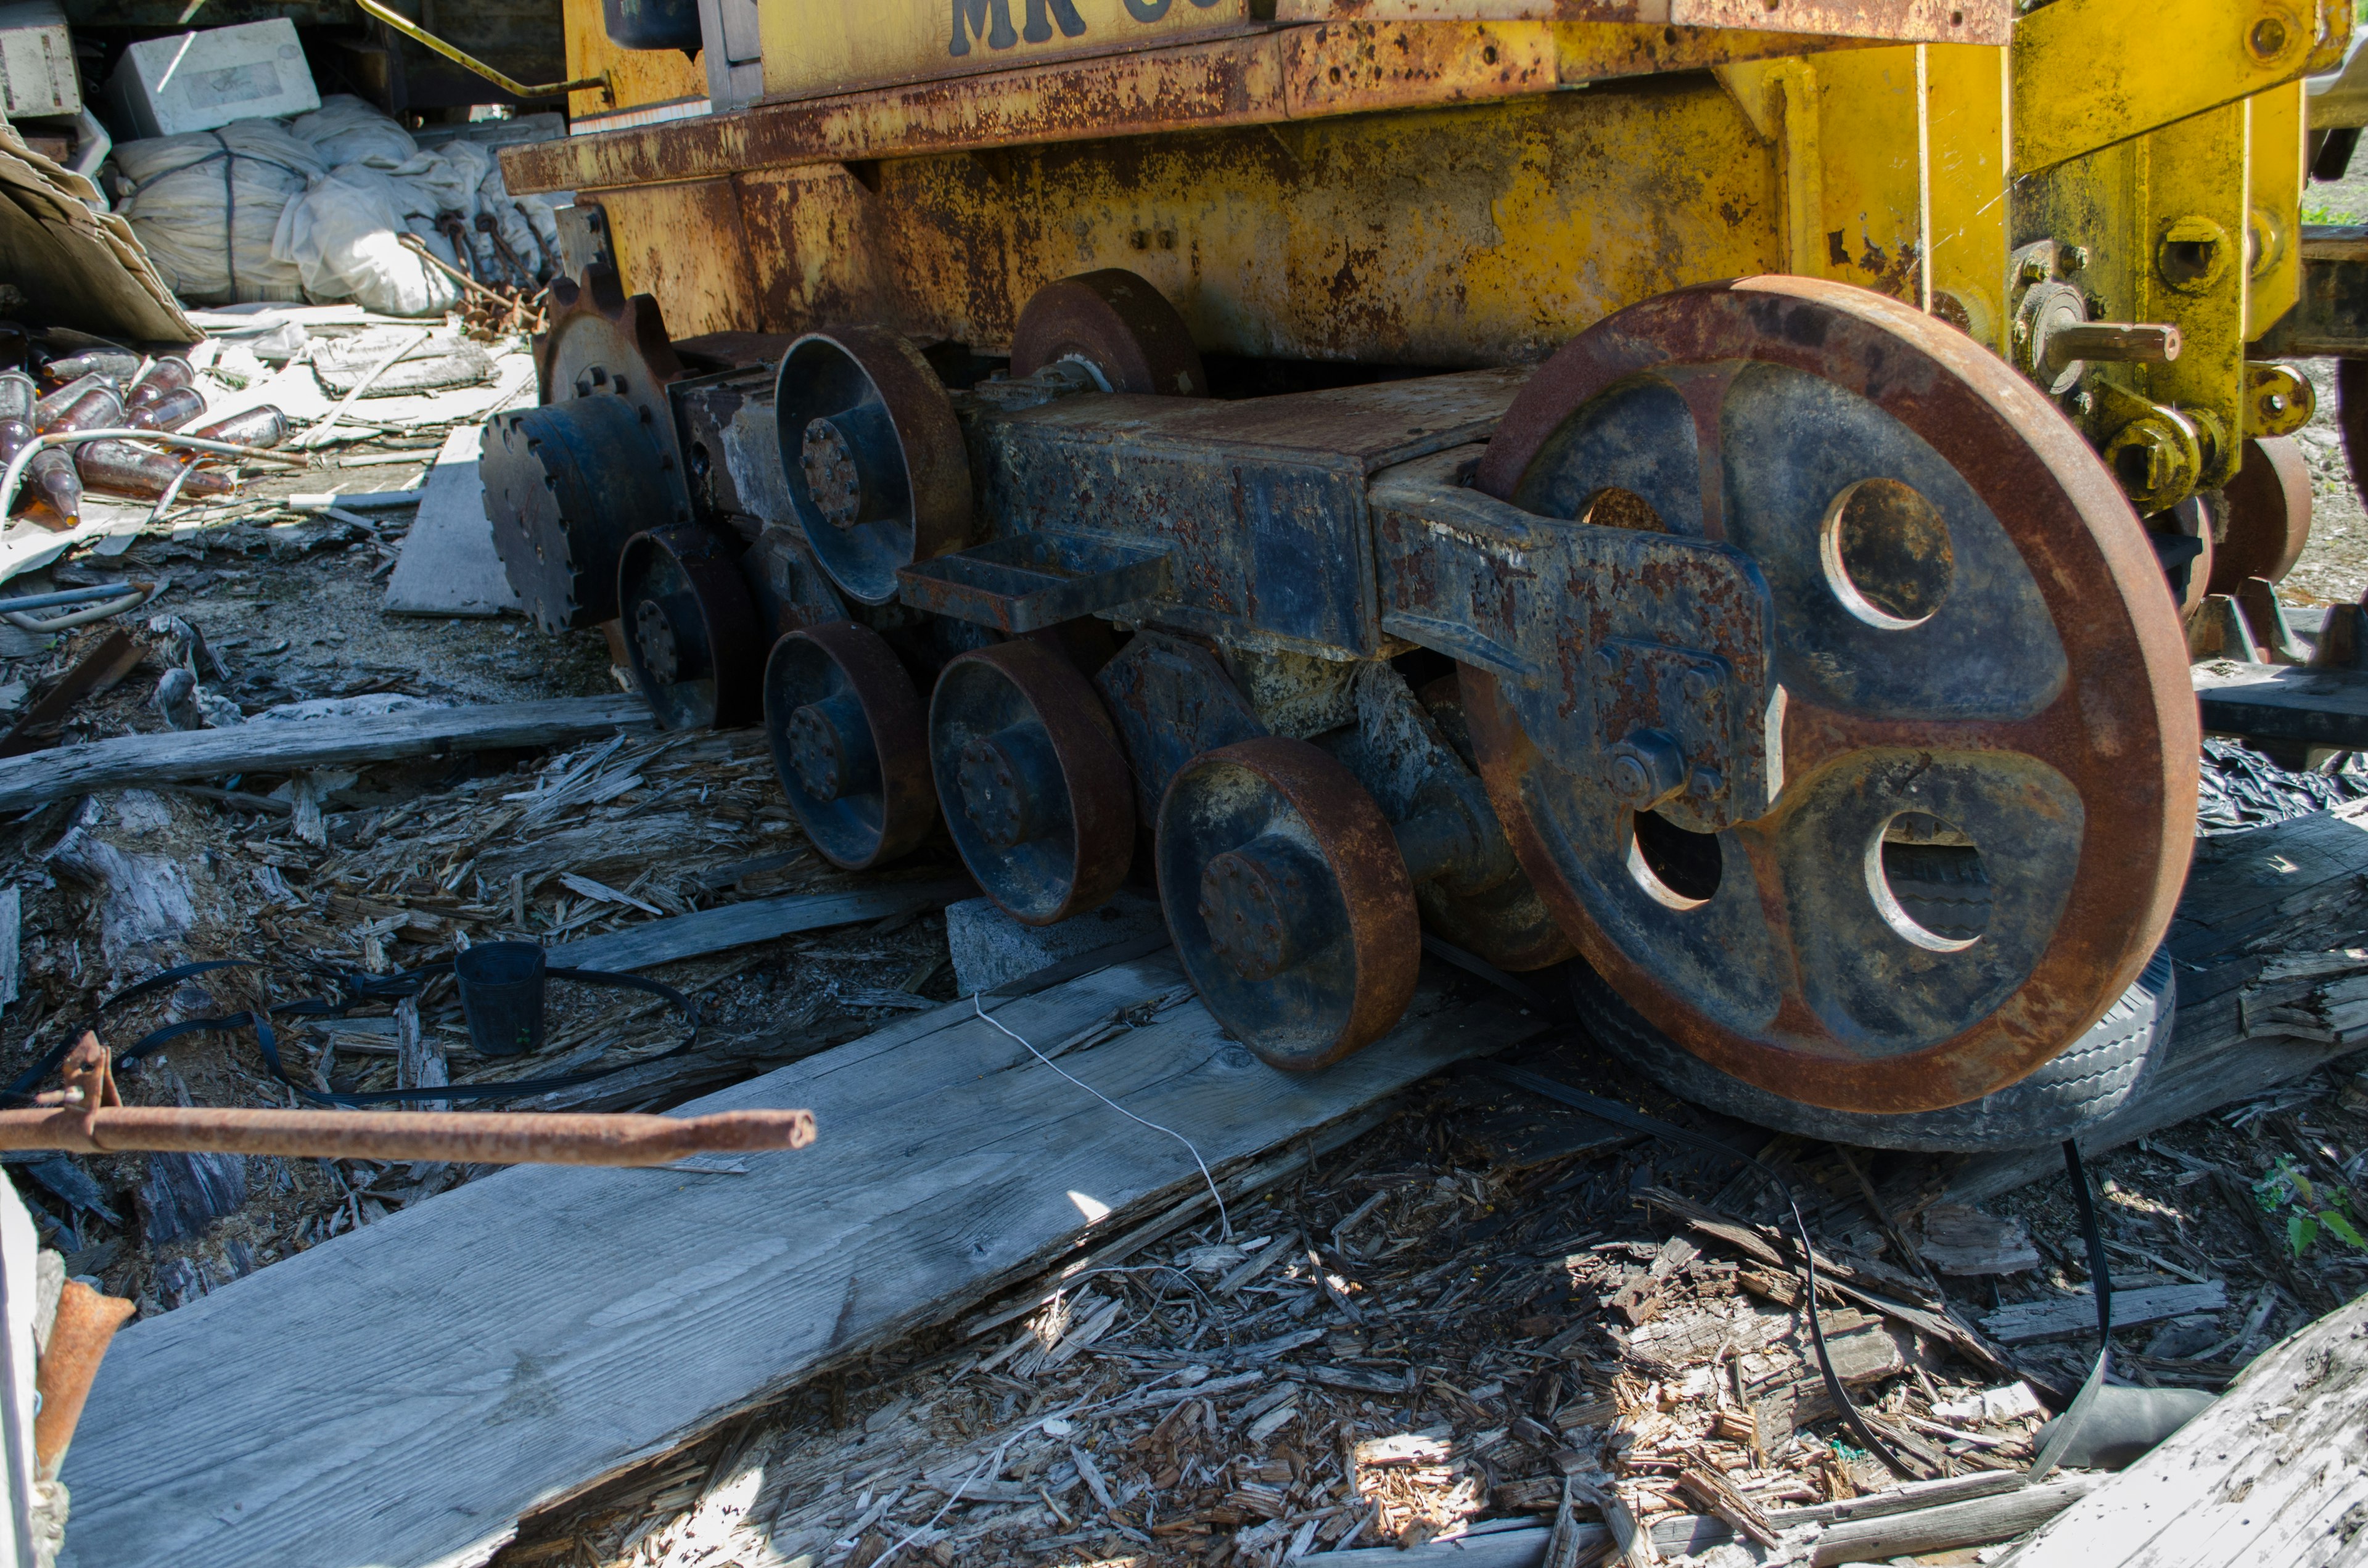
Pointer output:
2067, 1317
264, 746
753, 920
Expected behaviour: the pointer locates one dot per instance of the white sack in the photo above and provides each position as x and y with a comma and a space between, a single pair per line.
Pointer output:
208, 205
347, 130
342, 236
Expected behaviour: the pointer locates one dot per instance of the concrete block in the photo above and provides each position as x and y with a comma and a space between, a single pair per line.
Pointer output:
989, 947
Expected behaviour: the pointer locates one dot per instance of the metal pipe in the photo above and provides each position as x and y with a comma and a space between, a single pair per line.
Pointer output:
517, 89
68, 596
501, 1138
2116, 342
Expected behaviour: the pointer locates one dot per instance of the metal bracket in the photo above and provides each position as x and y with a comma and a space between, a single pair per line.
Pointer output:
1663, 643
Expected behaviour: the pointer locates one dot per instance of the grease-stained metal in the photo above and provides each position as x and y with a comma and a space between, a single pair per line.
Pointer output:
693, 638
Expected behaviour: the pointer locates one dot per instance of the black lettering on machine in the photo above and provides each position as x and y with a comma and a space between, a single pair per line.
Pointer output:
991, 20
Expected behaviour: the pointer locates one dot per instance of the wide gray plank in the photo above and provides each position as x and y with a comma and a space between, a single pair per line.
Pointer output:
273, 746
448, 565
2286, 702
401, 1394
754, 920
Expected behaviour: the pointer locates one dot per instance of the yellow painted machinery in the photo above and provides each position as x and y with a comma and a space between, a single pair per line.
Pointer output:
1711, 484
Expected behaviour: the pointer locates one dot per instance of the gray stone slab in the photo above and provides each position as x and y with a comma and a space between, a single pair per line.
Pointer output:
989, 947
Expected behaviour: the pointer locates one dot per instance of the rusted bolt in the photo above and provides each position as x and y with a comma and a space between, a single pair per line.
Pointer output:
654, 635
2268, 38
1647, 769
998, 776
1606, 663
1706, 783
830, 750
830, 472
2158, 459
2074, 257
1255, 903
1701, 685
2034, 269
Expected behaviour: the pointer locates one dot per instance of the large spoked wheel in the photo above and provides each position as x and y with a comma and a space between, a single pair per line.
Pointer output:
1035, 788
1977, 661
692, 635
1288, 901
874, 458
850, 743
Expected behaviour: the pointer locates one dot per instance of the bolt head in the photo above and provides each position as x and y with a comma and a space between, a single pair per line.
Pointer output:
828, 464
1629, 780
653, 639
1246, 903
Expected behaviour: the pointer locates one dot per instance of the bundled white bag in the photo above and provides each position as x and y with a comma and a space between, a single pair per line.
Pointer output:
207, 207
343, 237
347, 130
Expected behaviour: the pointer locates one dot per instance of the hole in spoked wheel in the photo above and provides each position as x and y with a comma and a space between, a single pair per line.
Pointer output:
1929, 881
1612, 507
1886, 553
1677, 866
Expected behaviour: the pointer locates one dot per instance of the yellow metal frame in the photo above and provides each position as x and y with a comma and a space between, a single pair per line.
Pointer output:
1448, 192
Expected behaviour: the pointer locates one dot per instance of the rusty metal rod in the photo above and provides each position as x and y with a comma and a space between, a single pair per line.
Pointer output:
500, 1137
2118, 342
509, 84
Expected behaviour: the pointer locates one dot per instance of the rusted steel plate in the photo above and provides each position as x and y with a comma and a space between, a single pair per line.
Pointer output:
1898, 21
2038, 705
1349, 67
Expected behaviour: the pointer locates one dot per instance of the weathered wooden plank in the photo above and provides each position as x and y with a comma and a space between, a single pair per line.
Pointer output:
448, 565
499, 1347
2028, 1322
754, 920
1976, 1523
273, 747
2272, 1473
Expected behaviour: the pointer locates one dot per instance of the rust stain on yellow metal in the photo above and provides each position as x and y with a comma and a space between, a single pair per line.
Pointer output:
2274, 193
636, 76
684, 243
1929, 21
829, 45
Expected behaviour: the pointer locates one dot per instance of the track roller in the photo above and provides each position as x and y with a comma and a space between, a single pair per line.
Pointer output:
692, 634
873, 456
2268, 510
851, 743
1288, 900
1118, 326
1035, 788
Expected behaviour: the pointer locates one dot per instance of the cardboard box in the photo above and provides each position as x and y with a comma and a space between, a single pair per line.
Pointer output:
36, 62
164, 86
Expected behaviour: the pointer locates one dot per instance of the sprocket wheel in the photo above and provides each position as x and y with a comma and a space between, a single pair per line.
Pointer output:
1973, 658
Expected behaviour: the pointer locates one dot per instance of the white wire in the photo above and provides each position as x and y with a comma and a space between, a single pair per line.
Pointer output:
1225, 1222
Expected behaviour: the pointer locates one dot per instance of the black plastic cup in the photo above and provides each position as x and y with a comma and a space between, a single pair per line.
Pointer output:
501, 996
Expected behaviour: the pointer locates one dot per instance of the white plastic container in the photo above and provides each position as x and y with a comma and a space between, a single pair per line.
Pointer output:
36, 62
166, 86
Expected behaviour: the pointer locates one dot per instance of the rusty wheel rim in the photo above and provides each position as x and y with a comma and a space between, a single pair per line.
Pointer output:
1119, 326
1036, 794
1276, 826
874, 458
692, 632
851, 743
2268, 515
2036, 703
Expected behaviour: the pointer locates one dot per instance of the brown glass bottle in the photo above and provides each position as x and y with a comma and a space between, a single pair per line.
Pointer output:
49, 484
46, 412
98, 409
263, 427
168, 410
118, 364
168, 374
119, 467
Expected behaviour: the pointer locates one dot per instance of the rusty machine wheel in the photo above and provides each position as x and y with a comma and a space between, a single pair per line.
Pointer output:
569, 481
1496, 915
1973, 658
693, 637
1036, 793
876, 466
1288, 900
2268, 510
1116, 325
851, 742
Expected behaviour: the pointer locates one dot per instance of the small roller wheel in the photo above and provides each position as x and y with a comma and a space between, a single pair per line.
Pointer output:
692, 635
1288, 901
1036, 792
876, 461
1116, 325
1502, 919
2267, 513
850, 743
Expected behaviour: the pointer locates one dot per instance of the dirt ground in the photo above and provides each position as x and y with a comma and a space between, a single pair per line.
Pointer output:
1502, 1291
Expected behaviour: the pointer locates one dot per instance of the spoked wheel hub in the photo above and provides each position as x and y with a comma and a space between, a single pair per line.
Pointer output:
1036, 792
849, 743
1288, 900
1964, 808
